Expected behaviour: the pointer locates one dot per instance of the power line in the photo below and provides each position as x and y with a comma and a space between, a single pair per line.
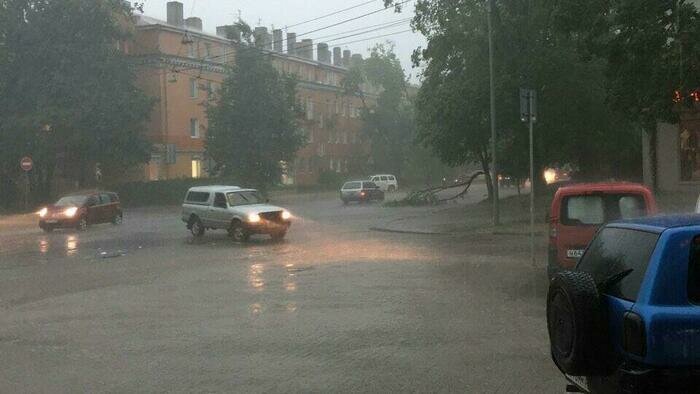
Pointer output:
331, 14
379, 26
351, 19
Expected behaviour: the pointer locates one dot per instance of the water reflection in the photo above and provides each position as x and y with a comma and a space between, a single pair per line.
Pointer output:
255, 308
255, 277
71, 245
290, 282
292, 307
43, 246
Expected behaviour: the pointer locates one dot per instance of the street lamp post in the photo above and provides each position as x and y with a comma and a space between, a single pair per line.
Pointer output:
494, 162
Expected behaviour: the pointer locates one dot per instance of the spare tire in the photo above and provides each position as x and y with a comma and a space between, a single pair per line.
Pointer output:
576, 324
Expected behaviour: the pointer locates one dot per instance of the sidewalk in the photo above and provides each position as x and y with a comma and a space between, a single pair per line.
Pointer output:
469, 215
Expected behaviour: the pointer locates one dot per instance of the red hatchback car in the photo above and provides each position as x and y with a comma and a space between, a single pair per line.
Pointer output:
80, 210
579, 210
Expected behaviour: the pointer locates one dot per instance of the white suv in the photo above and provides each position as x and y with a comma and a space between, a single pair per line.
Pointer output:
387, 183
242, 212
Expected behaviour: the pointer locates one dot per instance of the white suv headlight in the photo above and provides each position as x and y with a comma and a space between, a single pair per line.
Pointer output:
253, 217
286, 215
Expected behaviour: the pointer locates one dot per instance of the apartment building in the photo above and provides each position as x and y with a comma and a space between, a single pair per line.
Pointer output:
182, 67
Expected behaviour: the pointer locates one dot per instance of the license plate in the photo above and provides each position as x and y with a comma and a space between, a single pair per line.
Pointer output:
580, 381
575, 253
52, 221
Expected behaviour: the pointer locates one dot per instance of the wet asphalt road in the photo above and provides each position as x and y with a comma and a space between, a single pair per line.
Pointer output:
333, 308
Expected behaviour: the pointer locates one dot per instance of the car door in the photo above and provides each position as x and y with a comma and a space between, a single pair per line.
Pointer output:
218, 211
93, 209
107, 208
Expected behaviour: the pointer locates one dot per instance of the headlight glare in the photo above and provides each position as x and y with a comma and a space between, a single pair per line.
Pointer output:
286, 215
253, 217
70, 212
42, 212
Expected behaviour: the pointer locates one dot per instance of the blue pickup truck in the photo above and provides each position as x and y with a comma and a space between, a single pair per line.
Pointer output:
627, 318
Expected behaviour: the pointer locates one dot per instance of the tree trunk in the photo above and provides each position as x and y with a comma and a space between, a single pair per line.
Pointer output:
483, 158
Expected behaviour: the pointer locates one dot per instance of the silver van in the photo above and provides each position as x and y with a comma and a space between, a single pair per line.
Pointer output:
242, 212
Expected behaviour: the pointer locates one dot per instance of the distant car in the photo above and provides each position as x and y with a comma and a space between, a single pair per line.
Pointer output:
242, 212
361, 191
627, 319
578, 211
80, 210
387, 183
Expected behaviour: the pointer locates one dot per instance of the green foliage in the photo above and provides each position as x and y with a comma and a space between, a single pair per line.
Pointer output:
331, 179
60, 66
253, 125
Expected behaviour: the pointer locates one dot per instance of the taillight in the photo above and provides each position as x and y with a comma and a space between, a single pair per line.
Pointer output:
634, 339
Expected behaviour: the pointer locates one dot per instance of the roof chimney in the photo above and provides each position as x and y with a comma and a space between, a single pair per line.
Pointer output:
260, 35
346, 58
307, 48
322, 53
193, 23
337, 57
356, 59
175, 13
291, 43
277, 39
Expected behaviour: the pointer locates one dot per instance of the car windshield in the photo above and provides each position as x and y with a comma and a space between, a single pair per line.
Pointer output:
244, 198
600, 208
332, 195
71, 201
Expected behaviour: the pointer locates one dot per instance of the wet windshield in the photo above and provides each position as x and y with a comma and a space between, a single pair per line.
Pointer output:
345, 195
244, 198
71, 201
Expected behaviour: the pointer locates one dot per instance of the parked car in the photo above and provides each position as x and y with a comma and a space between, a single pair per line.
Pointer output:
387, 183
242, 212
627, 319
361, 191
578, 211
81, 210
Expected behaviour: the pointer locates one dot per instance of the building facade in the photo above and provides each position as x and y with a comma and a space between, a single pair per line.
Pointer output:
182, 67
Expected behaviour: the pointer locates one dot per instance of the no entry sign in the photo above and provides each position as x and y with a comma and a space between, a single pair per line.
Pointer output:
26, 163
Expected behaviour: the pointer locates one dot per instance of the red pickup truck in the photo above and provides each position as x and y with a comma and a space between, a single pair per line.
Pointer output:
579, 210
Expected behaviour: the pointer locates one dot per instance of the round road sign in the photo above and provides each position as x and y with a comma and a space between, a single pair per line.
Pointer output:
26, 163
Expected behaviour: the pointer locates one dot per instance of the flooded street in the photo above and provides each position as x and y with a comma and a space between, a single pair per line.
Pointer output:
335, 307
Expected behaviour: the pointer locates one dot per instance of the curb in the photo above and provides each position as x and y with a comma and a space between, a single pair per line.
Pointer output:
415, 232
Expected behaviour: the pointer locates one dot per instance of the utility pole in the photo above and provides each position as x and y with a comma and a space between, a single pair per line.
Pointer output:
494, 162
528, 113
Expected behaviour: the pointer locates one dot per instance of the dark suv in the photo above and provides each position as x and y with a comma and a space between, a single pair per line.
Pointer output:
627, 319
80, 210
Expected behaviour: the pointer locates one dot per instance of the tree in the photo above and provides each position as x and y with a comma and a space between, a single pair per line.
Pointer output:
453, 102
68, 90
252, 126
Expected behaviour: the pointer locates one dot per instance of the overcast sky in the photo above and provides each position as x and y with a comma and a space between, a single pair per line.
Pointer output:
281, 13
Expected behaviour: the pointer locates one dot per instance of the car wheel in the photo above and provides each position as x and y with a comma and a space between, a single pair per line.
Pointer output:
238, 233
196, 227
392, 189
576, 324
118, 219
82, 224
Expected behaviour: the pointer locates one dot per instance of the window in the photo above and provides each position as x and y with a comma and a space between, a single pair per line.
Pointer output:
345, 165
694, 272
207, 50
309, 109
332, 164
354, 138
615, 250
245, 198
337, 107
321, 121
194, 90
220, 200
383, 178
196, 168
192, 50
345, 137
352, 185
194, 128
690, 152
197, 197
370, 185
600, 208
